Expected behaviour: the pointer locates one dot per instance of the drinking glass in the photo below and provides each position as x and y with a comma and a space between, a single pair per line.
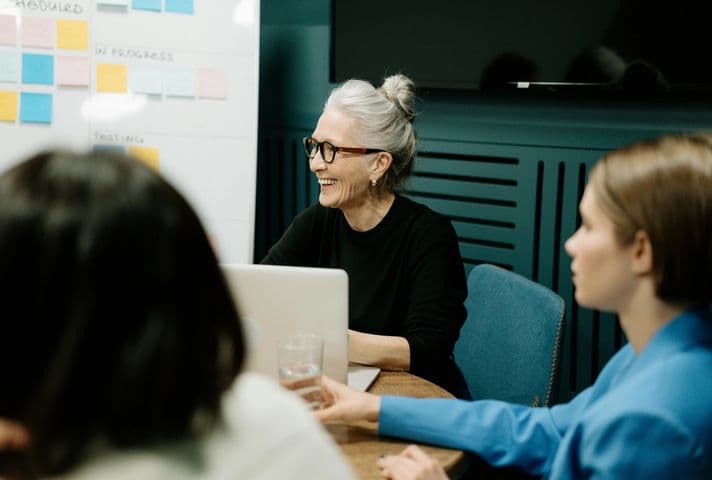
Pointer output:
300, 360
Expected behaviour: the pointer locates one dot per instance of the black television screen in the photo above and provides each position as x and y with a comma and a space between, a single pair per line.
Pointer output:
629, 45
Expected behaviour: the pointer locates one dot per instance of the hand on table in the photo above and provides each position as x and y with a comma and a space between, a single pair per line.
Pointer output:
346, 404
411, 464
13, 436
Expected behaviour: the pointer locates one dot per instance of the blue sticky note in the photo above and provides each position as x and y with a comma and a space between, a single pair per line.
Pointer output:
179, 82
146, 80
37, 69
180, 6
36, 107
9, 67
152, 5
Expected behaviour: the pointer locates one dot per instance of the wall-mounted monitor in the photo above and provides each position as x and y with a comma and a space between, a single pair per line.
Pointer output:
636, 46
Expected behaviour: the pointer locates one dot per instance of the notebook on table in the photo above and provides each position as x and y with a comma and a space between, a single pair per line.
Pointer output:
278, 301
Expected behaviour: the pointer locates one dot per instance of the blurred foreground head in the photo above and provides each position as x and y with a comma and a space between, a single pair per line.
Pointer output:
117, 327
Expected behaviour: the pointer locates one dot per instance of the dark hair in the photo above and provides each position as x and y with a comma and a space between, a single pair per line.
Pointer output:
118, 324
663, 187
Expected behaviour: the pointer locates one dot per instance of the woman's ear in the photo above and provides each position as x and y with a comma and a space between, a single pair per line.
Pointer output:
382, 163
642, 252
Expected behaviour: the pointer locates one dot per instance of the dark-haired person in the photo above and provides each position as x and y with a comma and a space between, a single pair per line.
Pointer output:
406, 278
644, 251
121, 343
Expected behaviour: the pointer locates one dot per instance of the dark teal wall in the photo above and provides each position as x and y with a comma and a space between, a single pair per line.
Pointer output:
508, 172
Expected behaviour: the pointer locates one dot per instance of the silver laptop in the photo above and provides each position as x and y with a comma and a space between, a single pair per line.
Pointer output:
278, 301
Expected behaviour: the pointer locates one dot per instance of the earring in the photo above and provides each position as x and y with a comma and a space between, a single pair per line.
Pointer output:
374, 182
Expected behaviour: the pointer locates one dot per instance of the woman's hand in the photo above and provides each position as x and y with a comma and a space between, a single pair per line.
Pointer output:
13, 436
346, 404
411, 464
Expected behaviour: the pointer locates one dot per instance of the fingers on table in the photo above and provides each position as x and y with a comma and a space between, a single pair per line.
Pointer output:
411, 464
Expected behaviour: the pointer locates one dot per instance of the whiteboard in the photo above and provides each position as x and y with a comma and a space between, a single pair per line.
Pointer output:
174, 82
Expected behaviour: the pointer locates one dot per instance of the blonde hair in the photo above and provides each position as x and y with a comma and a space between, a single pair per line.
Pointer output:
384, 119
663, 187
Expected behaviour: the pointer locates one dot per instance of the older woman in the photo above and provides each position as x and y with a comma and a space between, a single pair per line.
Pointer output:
406, 278
644, 251
120, 340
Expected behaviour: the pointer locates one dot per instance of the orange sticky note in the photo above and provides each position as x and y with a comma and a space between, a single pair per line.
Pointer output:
150, 155
111, 78
8, 106
73, 34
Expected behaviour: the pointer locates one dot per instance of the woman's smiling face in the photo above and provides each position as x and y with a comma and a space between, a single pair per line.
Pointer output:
345, 182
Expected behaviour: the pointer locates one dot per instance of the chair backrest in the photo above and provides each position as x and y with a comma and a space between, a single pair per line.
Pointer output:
509, 345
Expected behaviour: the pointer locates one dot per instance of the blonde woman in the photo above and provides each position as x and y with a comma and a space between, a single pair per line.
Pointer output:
643, 251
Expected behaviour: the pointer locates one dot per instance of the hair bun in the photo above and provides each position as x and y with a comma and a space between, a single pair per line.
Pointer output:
400, 90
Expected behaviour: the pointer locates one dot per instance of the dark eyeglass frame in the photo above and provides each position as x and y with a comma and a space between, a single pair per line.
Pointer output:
306, 141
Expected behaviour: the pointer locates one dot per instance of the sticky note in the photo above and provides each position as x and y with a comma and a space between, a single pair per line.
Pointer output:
149, 155
37, 69
9, 67
73, 71
146, 80
73, 34
180, 6
111, 78
151, 5
8, 106
38, 32
179, 82
8, 30
36, 107
212, 83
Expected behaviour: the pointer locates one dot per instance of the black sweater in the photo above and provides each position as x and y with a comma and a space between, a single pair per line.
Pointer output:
406, 278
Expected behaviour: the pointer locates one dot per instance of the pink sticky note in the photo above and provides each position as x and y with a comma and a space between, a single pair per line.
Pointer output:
72, 71
212, 83
38, 32
8, 30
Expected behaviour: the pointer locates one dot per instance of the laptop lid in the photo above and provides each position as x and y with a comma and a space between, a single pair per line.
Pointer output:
277, 301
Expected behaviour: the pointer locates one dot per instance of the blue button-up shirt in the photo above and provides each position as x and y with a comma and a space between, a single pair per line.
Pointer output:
646, 416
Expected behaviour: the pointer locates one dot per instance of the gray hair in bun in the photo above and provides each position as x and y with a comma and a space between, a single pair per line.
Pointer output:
384, 119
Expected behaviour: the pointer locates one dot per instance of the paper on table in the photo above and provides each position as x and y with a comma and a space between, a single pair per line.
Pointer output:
361, 377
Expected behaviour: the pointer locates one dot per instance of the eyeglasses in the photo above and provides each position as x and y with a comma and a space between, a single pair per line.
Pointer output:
328, 151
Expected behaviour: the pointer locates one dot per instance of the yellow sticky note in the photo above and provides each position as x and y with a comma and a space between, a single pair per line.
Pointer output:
73, 34
111, 78
150, 155
8, 106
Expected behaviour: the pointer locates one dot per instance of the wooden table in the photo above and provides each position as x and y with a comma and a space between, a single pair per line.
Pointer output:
360, 443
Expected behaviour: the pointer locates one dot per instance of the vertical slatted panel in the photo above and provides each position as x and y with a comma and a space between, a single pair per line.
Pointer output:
488, 196
285, 185
511, 205
590, 336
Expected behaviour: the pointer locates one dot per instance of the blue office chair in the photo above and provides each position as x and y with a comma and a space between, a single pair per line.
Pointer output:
509, 345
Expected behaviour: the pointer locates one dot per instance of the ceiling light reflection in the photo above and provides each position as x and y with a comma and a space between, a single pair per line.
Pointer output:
109, 107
